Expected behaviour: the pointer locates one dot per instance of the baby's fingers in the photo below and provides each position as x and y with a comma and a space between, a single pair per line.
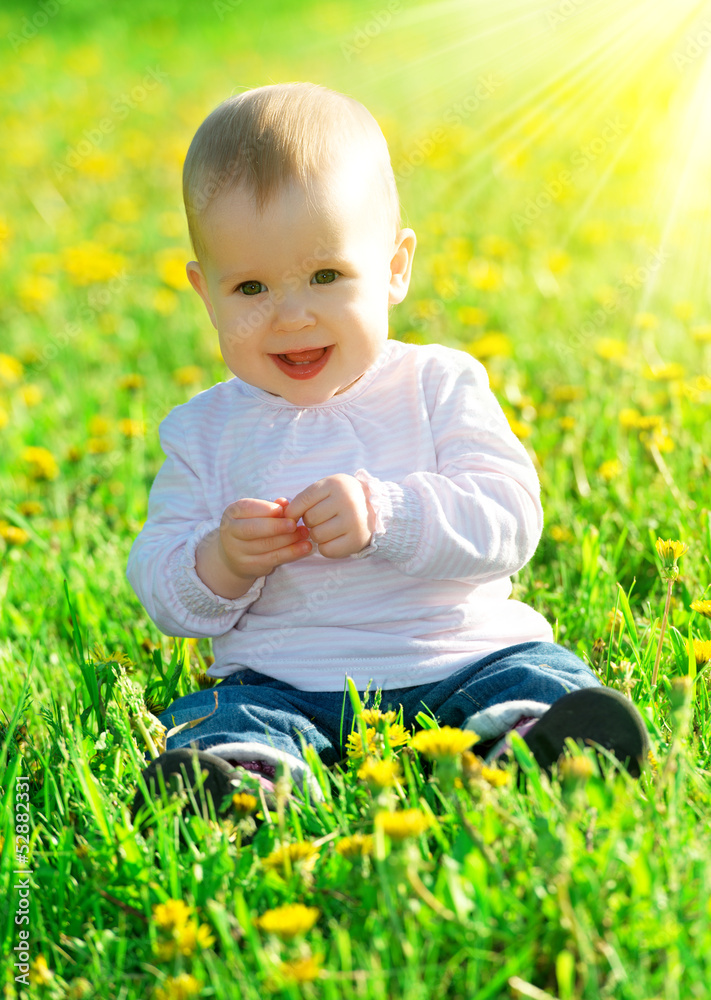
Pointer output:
249, 507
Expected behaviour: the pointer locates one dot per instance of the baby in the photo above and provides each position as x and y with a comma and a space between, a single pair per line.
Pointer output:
346, 505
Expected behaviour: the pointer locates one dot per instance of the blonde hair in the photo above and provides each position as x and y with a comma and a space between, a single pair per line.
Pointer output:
270, 136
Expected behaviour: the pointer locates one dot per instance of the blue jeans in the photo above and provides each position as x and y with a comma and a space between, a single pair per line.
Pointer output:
259, 718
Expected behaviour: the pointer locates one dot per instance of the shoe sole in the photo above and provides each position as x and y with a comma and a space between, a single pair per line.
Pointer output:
591, 716
178, 770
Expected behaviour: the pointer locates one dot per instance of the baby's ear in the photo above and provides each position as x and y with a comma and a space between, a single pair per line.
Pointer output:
401, 265
197, 279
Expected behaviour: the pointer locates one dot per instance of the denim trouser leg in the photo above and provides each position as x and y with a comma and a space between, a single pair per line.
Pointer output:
261, 718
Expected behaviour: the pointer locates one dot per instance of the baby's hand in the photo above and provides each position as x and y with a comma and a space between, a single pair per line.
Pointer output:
337, 513
255, 537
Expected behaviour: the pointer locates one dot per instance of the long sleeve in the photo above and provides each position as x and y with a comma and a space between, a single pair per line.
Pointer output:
161, 565
479, 517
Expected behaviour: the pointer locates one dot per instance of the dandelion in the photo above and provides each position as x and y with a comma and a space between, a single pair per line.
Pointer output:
182, 987
669, 552
684, 310
89, 263
471, 316
98, 446
171, 915
301, 855
187, 375
444, 743
629, 417
379, 774
132, 381
702, 333
611, 469
396, 735
4, 417
184, 940
42, 463
373, 717
646, 321
610, 349
40, 973
495, 246
30, 508
301, 970
165, 301
485, 274
288, 921
244, 804
702, 651
31, 395
170, 265
10, 370
491, 345
79, 989
558, 262
702, 608
568, 393
132, 428
358, 844
13, 535
495, 776
575, 769
665, 373
561, 534
403, 824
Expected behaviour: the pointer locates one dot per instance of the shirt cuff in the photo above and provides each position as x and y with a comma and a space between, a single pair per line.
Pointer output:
190, 589
398, 519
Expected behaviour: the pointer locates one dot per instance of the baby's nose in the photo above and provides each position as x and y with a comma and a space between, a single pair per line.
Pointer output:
291, 312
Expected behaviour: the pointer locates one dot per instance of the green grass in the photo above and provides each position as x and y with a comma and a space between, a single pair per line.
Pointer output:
587, 888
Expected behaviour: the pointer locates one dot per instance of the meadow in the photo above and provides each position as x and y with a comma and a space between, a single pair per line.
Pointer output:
551, 159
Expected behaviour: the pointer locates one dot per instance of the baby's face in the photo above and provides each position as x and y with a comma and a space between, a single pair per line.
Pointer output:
300, 299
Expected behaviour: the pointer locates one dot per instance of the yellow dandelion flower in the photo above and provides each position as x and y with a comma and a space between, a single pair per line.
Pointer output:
471, 765
242, 802
495, 776
375, 741
670, 552
98, 445
610, 349
403, 824
629, 417
649, 422
606, 295
4, 417
492, 245
301, 855
132, 428
31, 395
10, 369
702, 332
520, 429
443, 743
288, 921
471, 316
702, 651
74, 454
89, 263
567, 393
181, 987
567, 423
187, 375
172, 914
40, 973
561, 534
13, 535
374, 717
42, 463
575, 770
379, 774
99, 426
665, 373
485, 274
131, 381
702, 608
446, 287
660, 438
35, 291
79, 989
611, 469
646, 321
684, 310
170, 265
301, 970
30, 508
595, 231
357, 844
558, 262
491, 345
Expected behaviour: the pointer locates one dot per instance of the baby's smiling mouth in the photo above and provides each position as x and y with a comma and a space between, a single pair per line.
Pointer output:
303, 357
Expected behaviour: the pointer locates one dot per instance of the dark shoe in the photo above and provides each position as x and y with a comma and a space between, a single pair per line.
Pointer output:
181, 770
591, 716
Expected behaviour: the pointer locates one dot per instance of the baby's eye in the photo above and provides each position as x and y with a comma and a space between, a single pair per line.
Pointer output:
330, 277
251, 287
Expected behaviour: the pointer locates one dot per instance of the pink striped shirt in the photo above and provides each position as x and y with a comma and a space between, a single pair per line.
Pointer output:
458, 510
